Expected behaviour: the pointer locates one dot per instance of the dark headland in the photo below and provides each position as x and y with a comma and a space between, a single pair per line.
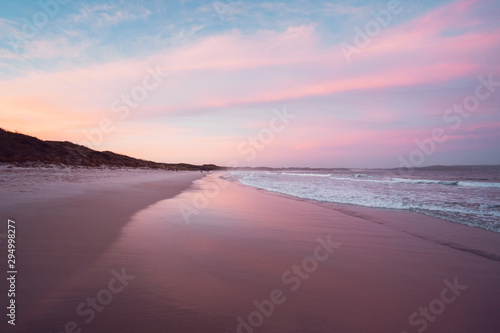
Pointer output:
21, 149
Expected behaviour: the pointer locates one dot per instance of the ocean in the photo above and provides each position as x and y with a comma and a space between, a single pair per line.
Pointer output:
460, 194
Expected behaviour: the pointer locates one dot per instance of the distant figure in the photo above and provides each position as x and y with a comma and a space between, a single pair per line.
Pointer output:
201, 170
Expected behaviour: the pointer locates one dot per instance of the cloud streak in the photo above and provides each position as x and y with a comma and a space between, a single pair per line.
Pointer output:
231, 71
106, 14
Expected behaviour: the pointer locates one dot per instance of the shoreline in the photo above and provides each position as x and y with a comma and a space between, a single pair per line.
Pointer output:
63, 226
464, 238
465, 198
250, 246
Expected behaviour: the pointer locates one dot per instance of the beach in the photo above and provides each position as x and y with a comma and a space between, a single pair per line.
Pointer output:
178, 252
250, 166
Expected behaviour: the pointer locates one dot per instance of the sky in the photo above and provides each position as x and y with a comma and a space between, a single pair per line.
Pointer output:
358, 84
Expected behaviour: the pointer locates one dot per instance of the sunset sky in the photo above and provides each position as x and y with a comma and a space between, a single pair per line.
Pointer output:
202, 82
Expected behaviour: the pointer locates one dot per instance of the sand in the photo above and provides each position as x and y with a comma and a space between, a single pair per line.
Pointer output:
65, 221
246, 260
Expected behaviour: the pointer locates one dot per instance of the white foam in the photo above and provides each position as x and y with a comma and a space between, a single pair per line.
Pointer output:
425, 181
476, 207
306, 174
478, 184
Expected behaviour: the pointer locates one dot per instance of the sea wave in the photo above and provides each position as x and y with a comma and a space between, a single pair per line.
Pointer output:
426, 181
466, 202
478, 184
421, 181
361, 175
306, 174
372, 179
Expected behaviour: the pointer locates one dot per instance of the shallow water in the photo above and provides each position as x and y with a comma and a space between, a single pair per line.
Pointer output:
469, 196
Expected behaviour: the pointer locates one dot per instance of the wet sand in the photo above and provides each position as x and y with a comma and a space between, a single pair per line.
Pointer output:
253, 261
65, 222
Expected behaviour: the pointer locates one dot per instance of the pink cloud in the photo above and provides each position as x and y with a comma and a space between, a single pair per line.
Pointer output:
217, 71
234, 69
